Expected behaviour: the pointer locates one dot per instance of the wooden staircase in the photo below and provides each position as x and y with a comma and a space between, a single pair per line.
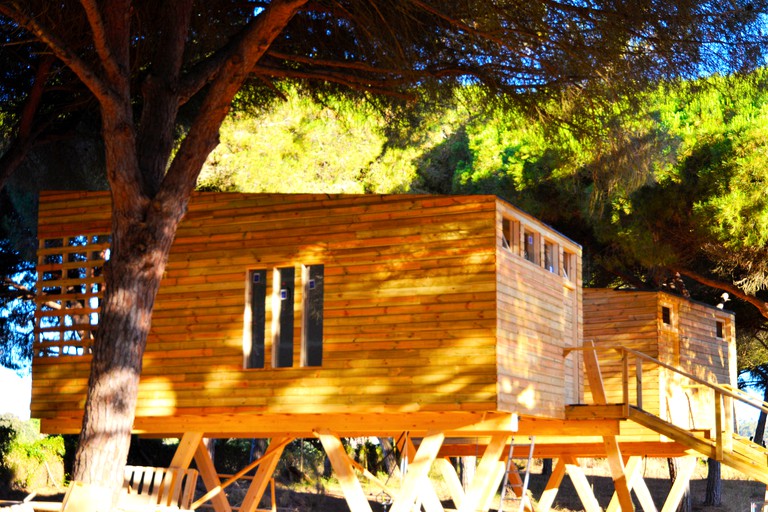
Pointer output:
725, 445
737, 451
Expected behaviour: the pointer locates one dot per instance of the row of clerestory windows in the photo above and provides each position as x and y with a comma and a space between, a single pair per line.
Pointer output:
538, 249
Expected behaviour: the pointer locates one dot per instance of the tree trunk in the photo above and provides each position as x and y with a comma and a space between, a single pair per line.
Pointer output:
685, 503
468, 463
760, 429
714, 494
389, 457
149, 199
132, 282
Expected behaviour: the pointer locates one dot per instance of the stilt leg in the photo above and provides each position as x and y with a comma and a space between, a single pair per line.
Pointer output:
687, 466
620, 483
263, 474
211, 478
452, 481
417, 478
581, 484
342, 467
185, 452
485, 474
553, 485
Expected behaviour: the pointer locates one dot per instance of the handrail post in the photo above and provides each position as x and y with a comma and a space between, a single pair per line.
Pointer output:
718, 426
639, 382
625, 380
728, 427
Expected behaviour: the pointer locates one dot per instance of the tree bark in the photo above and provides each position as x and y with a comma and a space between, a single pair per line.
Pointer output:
760, 428
146, 211
685, 503
546, 467
468, 464
714, 493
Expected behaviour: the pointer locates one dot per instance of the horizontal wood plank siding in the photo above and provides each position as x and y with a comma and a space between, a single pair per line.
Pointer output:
688, 340
409, 317
628, 319
539, 315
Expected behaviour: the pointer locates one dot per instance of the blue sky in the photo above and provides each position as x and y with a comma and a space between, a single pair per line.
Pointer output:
15, 393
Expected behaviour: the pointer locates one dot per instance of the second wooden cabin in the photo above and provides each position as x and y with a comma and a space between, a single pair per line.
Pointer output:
696, 338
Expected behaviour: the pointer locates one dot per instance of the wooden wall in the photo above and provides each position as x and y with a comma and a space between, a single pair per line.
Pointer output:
539, 312
409, 316
685, 336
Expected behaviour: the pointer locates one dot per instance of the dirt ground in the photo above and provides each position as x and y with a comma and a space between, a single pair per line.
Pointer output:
738, 492
326, 496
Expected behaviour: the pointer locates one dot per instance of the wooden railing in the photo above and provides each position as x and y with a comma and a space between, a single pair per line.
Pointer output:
724, 395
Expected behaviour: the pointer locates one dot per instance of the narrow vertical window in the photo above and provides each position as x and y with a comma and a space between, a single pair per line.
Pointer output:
312, 326
255, 312
531, 249
719, 329
569, 261
550, 256
282, 321
510, 235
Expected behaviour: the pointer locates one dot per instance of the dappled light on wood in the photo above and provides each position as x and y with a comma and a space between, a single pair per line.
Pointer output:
445, 318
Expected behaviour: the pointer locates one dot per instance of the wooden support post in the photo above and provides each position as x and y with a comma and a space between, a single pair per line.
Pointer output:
581, 484
484, 475
417, 477
639, 382
728, 429
264, 475
616, 463
514, 480
490, 490
687, 466
211, 478
182, 458
633, 470
553, 486
611, 443
594, 377
342, 466
718, 426
185, 452
426, 492
625, 380
452, 481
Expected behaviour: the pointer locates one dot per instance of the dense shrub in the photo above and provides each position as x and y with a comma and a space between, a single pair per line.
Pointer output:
28, 459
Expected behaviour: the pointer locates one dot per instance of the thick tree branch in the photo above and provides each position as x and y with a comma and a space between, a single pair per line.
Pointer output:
203, 136
761, 305
350, 81
90, 77
100, 39
160, 94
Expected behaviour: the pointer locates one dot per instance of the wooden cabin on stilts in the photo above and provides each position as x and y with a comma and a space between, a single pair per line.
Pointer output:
450, 323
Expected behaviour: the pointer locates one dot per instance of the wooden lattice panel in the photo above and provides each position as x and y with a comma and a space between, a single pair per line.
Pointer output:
71, 286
